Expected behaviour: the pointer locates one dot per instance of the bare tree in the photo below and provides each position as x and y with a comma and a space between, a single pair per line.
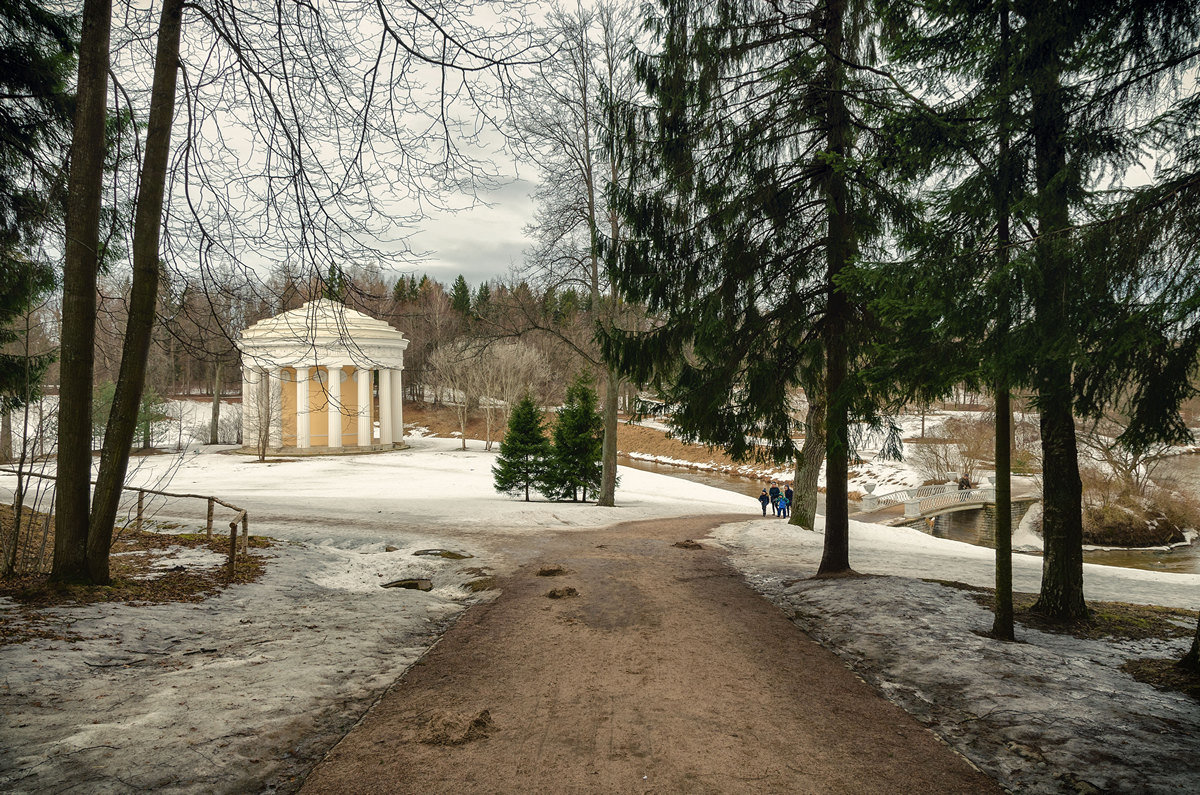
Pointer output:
564, 127
1129, 469
330, 104
508, 371
457, 367
257, 410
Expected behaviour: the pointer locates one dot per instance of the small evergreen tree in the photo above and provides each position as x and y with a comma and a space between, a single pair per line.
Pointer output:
525, 452
23, 283
578, 443
460, 296
336, 285
483, 298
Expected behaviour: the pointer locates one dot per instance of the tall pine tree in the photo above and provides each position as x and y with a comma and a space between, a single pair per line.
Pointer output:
1039, 105
37, 56
525, 452
751, 201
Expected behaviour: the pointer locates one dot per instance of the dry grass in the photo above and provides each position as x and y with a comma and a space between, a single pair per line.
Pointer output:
442, 421
31, 546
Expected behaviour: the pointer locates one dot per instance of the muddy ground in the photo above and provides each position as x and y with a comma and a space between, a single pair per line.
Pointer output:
618, 661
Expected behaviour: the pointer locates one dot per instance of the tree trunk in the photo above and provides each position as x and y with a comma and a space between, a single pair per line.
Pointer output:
835, 557
10, 564
214, 424
122, 420
6, 448
81, 261
608, 456
1191, 660
1002, 623
1061, 594
808, 463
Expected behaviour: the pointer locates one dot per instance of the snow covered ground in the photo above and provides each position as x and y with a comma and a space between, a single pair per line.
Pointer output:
1051, 713
246, 690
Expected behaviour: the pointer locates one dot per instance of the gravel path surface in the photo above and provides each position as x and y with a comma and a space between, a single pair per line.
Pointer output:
662, 671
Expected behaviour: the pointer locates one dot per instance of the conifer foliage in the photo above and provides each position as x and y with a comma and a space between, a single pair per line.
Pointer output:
578, 443
525, 452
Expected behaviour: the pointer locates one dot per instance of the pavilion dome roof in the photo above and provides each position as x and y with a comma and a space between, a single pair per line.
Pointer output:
323, 332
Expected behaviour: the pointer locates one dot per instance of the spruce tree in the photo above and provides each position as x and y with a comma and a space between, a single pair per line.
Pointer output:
525, 452
752, 200
578, 443
1037, 106
22, 285
37, 58
460, 296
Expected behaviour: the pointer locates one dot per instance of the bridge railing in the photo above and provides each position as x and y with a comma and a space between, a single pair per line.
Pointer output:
904, 495
948, 499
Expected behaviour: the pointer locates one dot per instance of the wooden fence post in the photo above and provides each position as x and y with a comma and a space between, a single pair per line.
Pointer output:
208, 526
141, 497
245, 533
233, 528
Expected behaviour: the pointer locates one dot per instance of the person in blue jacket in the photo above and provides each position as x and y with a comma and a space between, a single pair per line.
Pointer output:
765, 500
775, 492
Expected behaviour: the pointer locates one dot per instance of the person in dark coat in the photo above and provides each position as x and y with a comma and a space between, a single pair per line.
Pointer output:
964, 483
774, 492
787, 492
765, 499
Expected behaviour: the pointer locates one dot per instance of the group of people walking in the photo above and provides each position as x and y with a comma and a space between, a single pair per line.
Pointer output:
779, 499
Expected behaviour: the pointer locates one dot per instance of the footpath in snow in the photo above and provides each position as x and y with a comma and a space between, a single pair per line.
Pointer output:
248, 689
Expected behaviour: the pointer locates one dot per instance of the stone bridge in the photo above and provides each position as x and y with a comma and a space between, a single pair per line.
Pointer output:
923, 504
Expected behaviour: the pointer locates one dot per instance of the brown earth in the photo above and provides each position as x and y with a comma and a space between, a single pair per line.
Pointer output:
664, 672
443, 421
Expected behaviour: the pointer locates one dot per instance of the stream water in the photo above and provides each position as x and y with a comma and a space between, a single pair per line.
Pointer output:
1183, 472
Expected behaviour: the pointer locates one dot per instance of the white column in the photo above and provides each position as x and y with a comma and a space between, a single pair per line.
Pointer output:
385, 407
333, 391
273, 406
364, 407
251, 404
303, 441
397, 407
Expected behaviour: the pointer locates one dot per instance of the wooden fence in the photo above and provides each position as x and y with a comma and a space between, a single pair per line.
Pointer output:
242, 518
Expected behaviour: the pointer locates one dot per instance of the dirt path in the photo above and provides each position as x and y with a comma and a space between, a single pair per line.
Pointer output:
666, 673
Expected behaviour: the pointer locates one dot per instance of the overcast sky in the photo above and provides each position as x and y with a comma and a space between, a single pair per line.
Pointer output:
483, 243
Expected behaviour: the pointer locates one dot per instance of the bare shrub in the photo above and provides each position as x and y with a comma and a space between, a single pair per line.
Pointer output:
960, 445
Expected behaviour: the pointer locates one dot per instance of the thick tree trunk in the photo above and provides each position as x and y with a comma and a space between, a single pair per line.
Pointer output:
1061, 594
214, 423
808, 463
835, 557
608, 450
122, 420
81, 258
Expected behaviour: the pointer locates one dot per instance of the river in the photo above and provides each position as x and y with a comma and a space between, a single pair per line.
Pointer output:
1183, 471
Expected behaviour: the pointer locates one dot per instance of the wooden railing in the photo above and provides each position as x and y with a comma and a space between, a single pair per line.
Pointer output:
242, 518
